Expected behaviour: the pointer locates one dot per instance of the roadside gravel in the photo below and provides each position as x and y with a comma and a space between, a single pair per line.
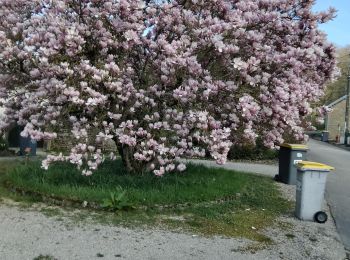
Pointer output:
259, 168
26, 233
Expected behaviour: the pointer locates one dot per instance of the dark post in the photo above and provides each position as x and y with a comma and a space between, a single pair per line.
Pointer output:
347, 110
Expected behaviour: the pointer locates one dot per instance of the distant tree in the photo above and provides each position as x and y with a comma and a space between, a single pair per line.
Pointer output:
163, 79
337, 88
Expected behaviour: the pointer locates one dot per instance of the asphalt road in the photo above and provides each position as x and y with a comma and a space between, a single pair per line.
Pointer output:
338, 184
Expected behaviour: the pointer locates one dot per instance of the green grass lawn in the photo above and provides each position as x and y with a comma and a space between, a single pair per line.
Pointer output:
206, 200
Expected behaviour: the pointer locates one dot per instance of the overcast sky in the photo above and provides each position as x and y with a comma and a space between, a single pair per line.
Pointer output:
338, 30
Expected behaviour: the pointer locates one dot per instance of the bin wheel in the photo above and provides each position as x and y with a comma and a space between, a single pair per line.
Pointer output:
277, 177
321, 217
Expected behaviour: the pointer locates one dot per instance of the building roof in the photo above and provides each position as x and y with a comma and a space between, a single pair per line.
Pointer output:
337, 101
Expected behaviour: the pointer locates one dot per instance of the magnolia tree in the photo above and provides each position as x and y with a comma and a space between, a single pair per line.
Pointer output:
164, 80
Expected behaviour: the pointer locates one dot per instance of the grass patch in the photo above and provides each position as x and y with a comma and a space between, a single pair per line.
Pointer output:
197, 184
5, 167
208, 201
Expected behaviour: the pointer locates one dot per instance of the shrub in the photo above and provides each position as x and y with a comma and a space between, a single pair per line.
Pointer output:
3, 144
252, 152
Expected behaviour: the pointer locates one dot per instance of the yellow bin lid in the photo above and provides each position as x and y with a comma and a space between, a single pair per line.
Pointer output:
314, 166
295, 146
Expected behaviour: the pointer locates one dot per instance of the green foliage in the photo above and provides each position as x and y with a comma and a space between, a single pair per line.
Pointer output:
3, 144
337, 89
117, 201
252, 152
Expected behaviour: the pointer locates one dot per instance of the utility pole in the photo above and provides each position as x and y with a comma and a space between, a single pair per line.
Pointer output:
347, 111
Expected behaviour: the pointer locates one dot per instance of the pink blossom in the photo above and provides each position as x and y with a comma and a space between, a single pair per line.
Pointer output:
163, 80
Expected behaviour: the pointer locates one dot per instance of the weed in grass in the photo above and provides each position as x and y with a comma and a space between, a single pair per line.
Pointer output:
254, 247
313, 239
52, 212
44, 257
290, 236
117, 201
286, 226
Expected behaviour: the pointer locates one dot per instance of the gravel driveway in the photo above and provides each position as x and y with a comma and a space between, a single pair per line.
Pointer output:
26, 233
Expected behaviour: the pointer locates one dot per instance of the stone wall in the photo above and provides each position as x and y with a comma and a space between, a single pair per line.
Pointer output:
65, 141
336, 120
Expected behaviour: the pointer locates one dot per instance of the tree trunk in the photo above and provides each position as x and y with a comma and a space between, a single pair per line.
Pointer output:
132, 165
127, 155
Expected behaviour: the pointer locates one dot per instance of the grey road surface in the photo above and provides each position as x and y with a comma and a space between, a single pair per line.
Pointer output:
262, 169
338, 184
